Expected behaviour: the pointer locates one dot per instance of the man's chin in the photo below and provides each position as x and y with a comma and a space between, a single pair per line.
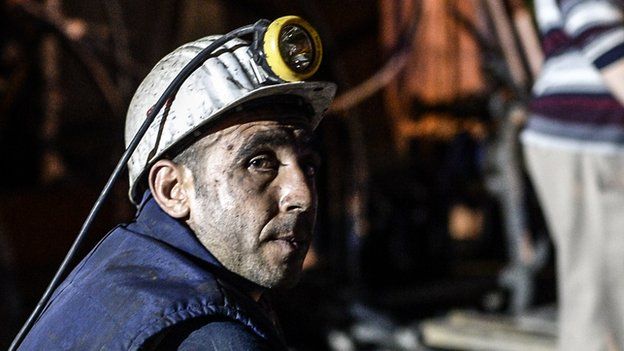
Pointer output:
287, 279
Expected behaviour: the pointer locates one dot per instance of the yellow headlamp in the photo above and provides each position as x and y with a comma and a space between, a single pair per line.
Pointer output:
290, 49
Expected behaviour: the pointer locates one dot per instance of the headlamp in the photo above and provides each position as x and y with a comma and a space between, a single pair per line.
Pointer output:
288, 49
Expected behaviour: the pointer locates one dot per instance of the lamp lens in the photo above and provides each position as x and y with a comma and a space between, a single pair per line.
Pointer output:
296, 48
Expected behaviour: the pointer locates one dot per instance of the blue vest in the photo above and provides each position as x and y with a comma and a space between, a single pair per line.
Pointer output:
141, 279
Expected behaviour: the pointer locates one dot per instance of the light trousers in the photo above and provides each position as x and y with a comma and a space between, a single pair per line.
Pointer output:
581, 192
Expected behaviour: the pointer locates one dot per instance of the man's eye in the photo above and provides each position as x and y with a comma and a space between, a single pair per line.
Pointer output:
311, 168
263, 163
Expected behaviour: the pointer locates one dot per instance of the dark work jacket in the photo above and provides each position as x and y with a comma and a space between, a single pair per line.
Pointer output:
142, 280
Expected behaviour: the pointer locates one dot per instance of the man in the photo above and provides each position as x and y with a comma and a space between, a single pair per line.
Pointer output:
224, 182
574, 148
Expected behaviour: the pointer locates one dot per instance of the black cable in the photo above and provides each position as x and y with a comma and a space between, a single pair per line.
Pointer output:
173, 87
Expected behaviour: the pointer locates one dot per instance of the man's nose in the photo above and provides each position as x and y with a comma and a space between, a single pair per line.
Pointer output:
296, 193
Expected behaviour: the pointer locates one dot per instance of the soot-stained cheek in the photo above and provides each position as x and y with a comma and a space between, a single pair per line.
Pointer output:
237, 176
250, 185
240, 184
240, 176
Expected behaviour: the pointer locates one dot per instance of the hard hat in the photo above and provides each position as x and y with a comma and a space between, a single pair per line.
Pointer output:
228, 79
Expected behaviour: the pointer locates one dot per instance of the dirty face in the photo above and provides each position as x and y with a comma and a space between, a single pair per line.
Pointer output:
254, 202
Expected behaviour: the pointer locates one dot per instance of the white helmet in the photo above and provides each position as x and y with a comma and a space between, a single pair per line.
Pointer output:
226, 80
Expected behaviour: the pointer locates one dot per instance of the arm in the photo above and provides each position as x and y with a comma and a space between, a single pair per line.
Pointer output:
213, 336
598, 28
614, 79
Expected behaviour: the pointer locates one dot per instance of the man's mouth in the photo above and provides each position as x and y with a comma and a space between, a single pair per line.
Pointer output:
292, 241
292, 234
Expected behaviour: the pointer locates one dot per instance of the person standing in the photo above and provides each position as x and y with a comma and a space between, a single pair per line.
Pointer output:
574, 150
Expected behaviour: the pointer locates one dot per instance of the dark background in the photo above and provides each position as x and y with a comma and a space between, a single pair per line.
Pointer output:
68, 70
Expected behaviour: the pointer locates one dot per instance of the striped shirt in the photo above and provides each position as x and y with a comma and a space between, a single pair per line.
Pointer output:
570, 100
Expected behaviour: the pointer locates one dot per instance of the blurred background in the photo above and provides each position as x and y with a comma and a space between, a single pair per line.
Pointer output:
429, 234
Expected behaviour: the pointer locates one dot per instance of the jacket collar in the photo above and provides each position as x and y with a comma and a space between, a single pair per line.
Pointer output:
154, 222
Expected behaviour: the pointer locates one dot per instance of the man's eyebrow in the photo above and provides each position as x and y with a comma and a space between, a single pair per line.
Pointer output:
269, 138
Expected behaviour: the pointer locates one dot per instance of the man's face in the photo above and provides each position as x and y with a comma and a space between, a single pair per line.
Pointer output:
255, 199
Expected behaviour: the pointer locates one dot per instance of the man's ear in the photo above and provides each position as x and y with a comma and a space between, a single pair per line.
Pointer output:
171, 185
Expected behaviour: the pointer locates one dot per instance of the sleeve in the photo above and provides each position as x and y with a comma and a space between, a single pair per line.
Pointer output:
222, 335
597, 28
